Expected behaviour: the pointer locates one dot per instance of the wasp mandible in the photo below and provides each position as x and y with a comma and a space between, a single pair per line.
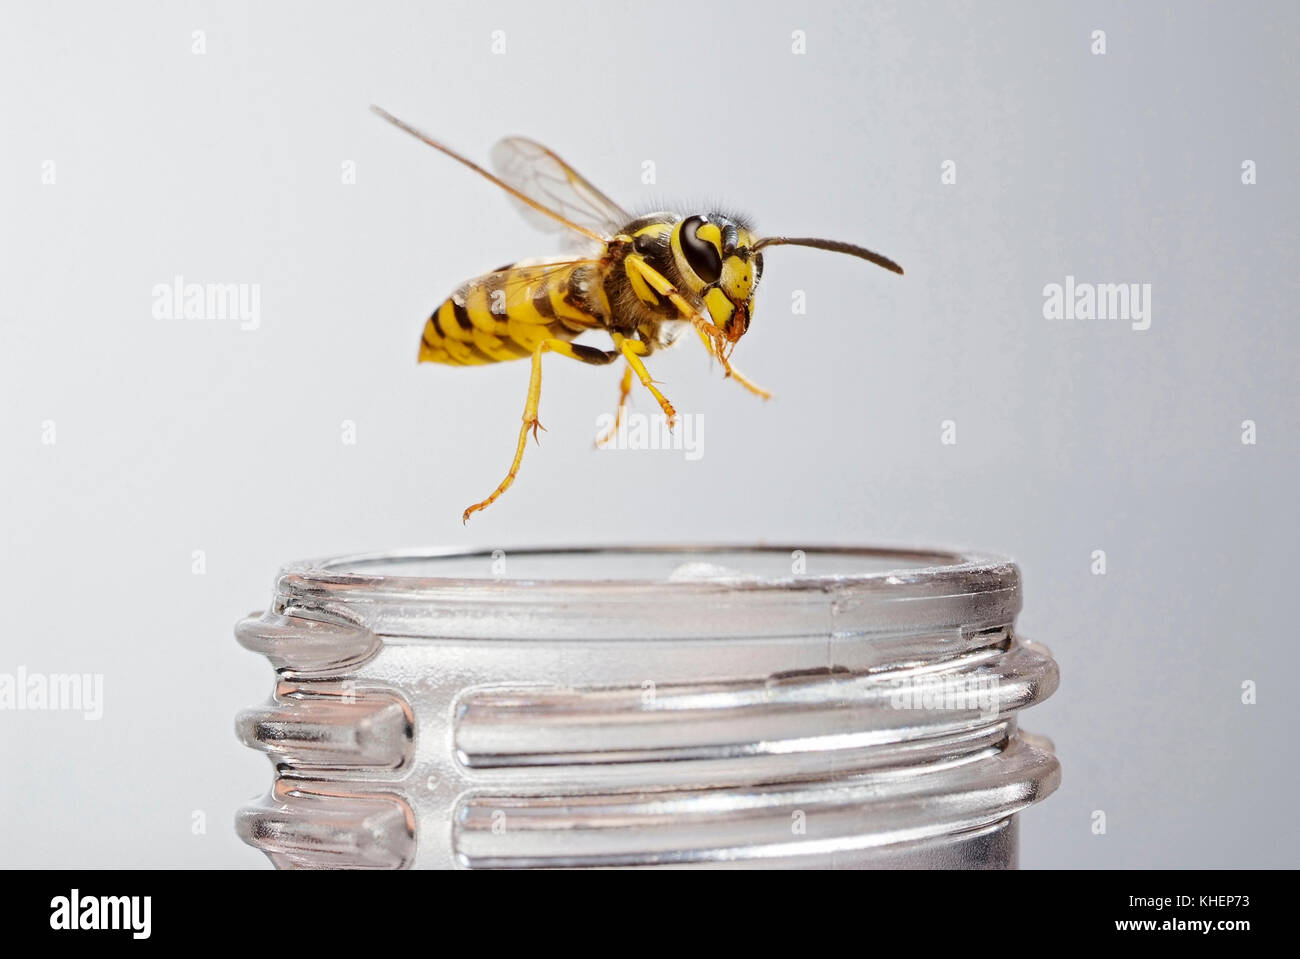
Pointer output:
644, 280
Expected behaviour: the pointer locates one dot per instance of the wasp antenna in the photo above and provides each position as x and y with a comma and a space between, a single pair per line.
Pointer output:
835, 246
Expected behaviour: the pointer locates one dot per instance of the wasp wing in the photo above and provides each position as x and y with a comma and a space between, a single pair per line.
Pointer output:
541, 175
540, 209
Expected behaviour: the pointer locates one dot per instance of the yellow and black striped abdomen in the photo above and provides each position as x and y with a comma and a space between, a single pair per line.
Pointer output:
503, 315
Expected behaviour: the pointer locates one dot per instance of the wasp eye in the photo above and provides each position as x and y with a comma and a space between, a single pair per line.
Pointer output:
701, 255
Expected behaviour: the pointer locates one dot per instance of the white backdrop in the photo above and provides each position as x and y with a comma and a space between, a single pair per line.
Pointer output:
230, 143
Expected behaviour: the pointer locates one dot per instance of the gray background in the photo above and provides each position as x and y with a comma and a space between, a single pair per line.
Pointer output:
174, 436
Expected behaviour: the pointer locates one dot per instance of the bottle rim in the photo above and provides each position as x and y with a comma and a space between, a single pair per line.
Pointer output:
850, 589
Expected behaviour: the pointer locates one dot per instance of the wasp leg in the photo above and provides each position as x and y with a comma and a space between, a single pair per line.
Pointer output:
735, 373
632, 351
584, 354
714, 339
624, 388
707, 341
747, 383
709, 332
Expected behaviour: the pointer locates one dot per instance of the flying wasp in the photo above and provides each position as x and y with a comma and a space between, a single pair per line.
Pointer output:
645, 281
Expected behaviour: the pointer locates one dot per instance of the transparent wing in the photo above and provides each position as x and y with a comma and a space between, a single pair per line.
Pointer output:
540, 174
524, 279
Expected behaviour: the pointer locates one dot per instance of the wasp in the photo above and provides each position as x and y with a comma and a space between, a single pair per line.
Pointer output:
643, 280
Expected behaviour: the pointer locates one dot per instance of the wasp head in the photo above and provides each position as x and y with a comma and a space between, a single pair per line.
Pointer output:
715, 256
